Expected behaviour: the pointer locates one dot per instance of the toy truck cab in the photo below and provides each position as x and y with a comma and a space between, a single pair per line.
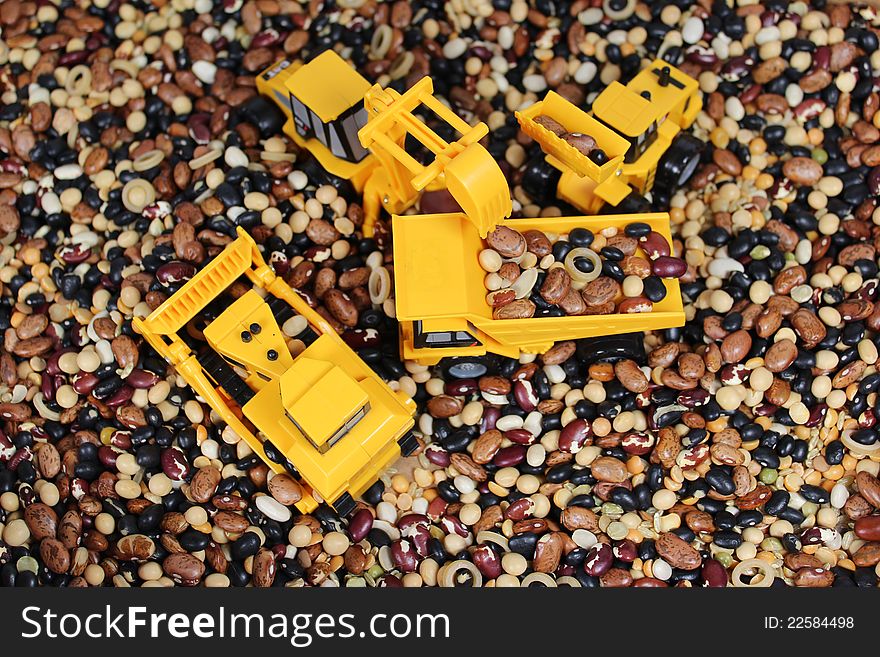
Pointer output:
318, 412
324, 105
650, 112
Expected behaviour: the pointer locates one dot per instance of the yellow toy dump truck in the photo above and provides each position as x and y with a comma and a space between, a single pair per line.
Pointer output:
441, 301
320, 414
358, 132
639, 143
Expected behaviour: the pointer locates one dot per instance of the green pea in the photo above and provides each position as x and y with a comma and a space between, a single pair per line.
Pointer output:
820, 155
612, 510
376, 571
760, 252
768, 476
810, 509
724, 558
771, 544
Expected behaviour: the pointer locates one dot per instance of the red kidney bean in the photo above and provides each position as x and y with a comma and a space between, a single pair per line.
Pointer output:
487, 562
765, 410
107, 456
625, 551
751, 92
702, 57
733, 375
361, 338
453, 525
638, 444
713, 573
175, 272
174, 464
809, 109
84, 382
266, 38
73, 255
360, 525
598, 560
419, 536
389, 582
650, 583
509, 456
822, 58
520, 436
520, 509
73, 58
7, 449
525, 395
460, 387
437, 455
120, 397
574, 436
47, 387
490, 417
412, 520
668, 267
279, 262
820, 410
874, 181
866, 420
436, 508
737, 67
142, 379
404, 555
655, 245
121, 439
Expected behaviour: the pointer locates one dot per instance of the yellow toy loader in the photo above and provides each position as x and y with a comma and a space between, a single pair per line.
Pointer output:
638, 127
322, 415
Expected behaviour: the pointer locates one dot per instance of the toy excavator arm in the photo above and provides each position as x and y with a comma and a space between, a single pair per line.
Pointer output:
471, 174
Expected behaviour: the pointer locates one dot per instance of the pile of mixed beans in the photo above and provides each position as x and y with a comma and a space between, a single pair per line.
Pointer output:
741, 450
531, 275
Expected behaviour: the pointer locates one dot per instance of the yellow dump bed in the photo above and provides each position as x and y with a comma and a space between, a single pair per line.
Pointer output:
573, 119
439, 278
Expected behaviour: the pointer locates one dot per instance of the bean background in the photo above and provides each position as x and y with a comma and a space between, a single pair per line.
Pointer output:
742, 451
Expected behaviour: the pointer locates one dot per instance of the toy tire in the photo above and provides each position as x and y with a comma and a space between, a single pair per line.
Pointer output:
611, 348
634, 203
465, 367
540, 180
265, 115
408, 444
679, 163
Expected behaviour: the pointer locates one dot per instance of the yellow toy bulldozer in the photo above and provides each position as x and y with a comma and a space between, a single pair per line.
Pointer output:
322, 415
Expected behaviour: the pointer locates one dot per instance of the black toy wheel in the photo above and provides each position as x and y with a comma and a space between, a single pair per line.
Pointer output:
408, 444
611, 348
264, 114
540, 180
633, 203
465, 367
679, 163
